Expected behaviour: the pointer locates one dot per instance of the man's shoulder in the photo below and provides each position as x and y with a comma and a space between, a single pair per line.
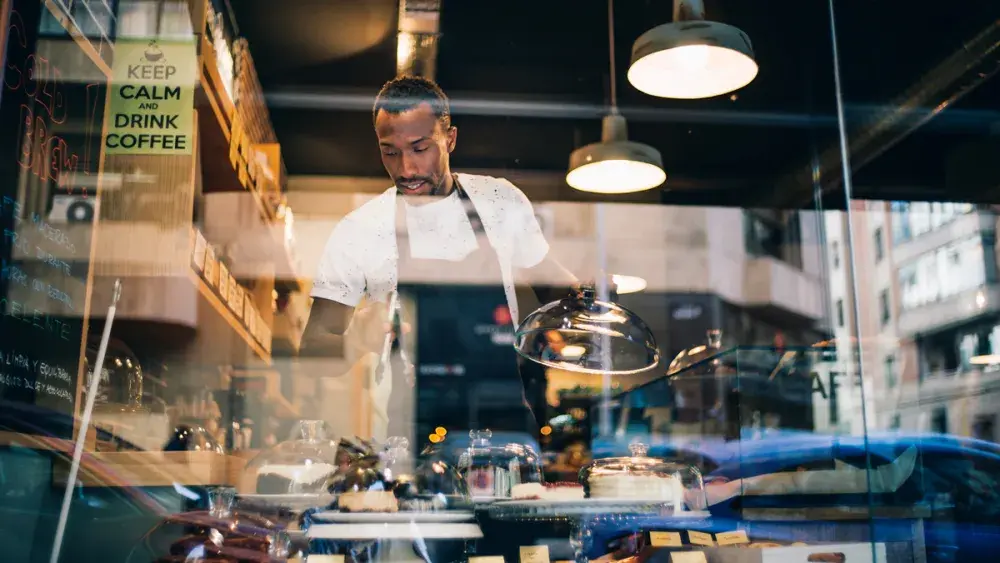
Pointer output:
490, 188
374, 213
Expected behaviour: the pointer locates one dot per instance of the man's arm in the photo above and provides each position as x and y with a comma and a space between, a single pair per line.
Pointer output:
324, 332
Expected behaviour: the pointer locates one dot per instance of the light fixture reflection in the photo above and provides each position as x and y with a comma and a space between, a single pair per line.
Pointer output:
615, 165
628, 284
692, 58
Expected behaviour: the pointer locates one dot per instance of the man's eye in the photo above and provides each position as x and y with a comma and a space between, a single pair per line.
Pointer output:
390, 153
419, 149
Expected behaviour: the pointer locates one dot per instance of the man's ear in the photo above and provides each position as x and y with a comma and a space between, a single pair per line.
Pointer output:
452, 138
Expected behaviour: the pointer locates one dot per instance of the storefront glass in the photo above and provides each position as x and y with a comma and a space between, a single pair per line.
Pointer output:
330, 328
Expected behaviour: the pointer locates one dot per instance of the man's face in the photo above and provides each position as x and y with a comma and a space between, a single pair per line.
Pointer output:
415, 147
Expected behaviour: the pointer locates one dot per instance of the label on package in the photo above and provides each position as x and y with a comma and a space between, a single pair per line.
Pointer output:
534, 554
665, 539
732, 538
325, 559
487, 559
700, 538
688, 557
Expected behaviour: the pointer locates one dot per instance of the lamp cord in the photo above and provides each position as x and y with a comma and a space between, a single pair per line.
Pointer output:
611, 50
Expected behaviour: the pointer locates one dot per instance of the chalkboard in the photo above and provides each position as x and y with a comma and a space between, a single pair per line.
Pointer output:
52, 103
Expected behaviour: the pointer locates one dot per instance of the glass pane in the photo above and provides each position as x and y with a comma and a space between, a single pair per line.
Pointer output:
923, 180
411, 280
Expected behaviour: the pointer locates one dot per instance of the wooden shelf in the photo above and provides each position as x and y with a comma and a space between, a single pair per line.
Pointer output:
215, 127
152, 469
215, 302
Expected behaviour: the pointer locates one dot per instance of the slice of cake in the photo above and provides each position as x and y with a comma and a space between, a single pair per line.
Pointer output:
563, 491
368, 501
527, 491
633, 487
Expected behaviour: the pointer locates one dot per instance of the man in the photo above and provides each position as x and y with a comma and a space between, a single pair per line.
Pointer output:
436, 210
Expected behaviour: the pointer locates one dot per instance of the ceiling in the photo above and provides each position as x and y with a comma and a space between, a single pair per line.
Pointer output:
529, 82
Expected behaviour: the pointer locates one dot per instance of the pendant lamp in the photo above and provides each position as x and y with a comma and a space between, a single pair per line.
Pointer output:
615, 165
691, 58
584, 334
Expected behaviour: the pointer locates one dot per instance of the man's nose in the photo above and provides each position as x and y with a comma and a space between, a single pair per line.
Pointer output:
410, 169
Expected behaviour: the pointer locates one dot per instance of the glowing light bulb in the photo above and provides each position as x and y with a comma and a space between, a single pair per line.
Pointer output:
694, 57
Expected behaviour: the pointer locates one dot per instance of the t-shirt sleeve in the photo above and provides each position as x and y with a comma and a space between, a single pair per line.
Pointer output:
339, 275
529, 246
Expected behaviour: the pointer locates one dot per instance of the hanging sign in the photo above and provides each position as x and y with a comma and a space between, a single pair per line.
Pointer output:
152, 98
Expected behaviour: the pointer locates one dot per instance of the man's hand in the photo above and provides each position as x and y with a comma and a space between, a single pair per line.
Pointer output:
370, 326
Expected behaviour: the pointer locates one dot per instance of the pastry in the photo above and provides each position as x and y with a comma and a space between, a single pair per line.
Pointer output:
526, 491
640, 487
368, 501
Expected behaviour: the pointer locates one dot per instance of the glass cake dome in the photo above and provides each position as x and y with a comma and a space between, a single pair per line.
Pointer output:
303, 465
638, 477
585, 335
393, 481
491, 471
120, 385
696, 354
218, 535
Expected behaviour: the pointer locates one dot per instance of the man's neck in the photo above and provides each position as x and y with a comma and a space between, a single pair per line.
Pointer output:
447, 186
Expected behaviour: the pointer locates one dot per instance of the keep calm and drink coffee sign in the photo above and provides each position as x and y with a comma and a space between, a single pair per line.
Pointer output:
152, 98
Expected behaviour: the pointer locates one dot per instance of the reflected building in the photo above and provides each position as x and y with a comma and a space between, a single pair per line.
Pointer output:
921, 290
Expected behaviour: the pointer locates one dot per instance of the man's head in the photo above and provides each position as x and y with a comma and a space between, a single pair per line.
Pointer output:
413, 124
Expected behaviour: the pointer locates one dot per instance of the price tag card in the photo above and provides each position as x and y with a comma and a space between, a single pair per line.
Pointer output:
665, 539
534, 554
732, 538
325, 559
700, 538
688, 557
487, 559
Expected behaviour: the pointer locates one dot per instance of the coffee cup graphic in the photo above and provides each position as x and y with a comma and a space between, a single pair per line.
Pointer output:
153, 53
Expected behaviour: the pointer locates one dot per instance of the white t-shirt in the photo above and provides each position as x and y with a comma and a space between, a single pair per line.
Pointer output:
361, 259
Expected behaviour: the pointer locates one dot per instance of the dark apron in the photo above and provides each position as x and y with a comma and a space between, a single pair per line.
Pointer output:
508, 411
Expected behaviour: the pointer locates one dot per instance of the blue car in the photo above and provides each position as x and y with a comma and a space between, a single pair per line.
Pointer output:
954, 488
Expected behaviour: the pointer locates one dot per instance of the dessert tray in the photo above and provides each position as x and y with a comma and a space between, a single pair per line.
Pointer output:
393, 517
569, 508
292, 501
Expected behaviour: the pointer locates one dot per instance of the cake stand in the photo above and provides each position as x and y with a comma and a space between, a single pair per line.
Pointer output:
398, 536
584, 515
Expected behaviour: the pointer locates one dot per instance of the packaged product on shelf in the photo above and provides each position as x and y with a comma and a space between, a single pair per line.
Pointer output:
211, 273
224, 278
198, 258
249, 318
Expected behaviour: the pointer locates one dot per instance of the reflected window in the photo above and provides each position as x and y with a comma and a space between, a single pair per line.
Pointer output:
884, 309
835, 251
939, 420
879, 249
984, 427
890, 372
840, 313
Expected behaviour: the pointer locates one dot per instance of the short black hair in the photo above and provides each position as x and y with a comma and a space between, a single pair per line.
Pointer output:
407, 92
